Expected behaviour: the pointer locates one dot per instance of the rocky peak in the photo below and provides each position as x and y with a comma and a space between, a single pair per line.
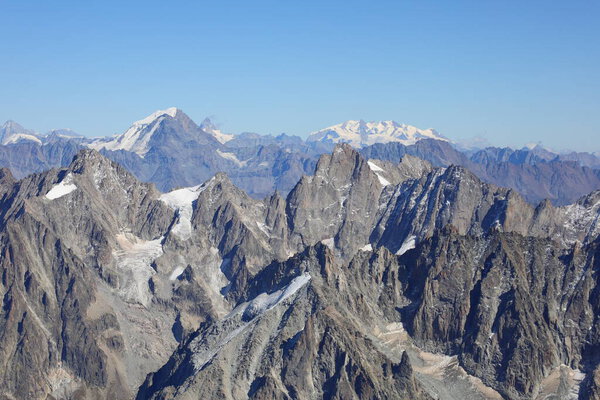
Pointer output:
164, 129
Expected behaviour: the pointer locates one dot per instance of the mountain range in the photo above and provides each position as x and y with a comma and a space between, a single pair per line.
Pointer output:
369, 279
170, 150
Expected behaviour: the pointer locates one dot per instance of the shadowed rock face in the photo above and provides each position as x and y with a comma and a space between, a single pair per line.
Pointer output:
105, 280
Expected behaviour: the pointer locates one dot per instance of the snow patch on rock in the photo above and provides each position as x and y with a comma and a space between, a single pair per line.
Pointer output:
377, 169
61, 189
231, 157
176, 273
329, 242
374, 167
408, 244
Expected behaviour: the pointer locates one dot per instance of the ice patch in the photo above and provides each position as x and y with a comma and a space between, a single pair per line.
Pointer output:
181, 200
330, 242
176, 273
374, 167
367, 247
383, 181
264, 302
231, 157
408, 244
61, 189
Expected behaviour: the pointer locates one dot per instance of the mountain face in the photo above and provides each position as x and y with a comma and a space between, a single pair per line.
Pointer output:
370, 279
360, 133
162, 128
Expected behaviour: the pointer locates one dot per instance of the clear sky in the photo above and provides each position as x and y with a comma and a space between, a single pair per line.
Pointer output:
511, 71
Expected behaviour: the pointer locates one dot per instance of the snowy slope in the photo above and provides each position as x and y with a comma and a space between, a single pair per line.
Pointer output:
137, 137
361, 133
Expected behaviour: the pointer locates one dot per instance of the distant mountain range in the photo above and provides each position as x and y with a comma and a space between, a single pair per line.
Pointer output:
170, 150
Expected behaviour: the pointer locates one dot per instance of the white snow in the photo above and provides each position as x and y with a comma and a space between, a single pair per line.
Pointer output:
329, 242
408, 244
61, 189
208, 127
172, 111
134, 261
231, 157
377, 169
374, 167
264, 302
176, 273
383, 181
20, 137
367, 247
181, 200
361, 133
264, 228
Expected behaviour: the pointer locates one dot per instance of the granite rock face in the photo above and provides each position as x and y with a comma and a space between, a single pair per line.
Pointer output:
370, 279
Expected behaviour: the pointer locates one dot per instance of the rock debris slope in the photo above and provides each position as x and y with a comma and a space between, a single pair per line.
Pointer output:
369, 280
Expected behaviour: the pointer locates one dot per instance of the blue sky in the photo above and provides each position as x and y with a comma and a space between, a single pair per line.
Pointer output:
513, 72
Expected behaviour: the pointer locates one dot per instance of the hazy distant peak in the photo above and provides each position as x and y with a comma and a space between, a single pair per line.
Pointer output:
209, 127
359, 133
12, 132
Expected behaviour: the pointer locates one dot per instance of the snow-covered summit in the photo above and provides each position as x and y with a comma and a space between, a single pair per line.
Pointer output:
209, 127
12, 132
137, 137
360, 133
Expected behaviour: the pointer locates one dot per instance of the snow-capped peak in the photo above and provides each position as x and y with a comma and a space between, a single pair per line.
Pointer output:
359, 133
172, 112
209, 127
12, 132
137, 137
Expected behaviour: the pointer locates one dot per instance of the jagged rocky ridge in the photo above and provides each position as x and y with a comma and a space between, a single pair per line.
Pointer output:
121, 276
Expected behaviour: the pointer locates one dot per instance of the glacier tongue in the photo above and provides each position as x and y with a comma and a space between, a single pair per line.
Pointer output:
182, 200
